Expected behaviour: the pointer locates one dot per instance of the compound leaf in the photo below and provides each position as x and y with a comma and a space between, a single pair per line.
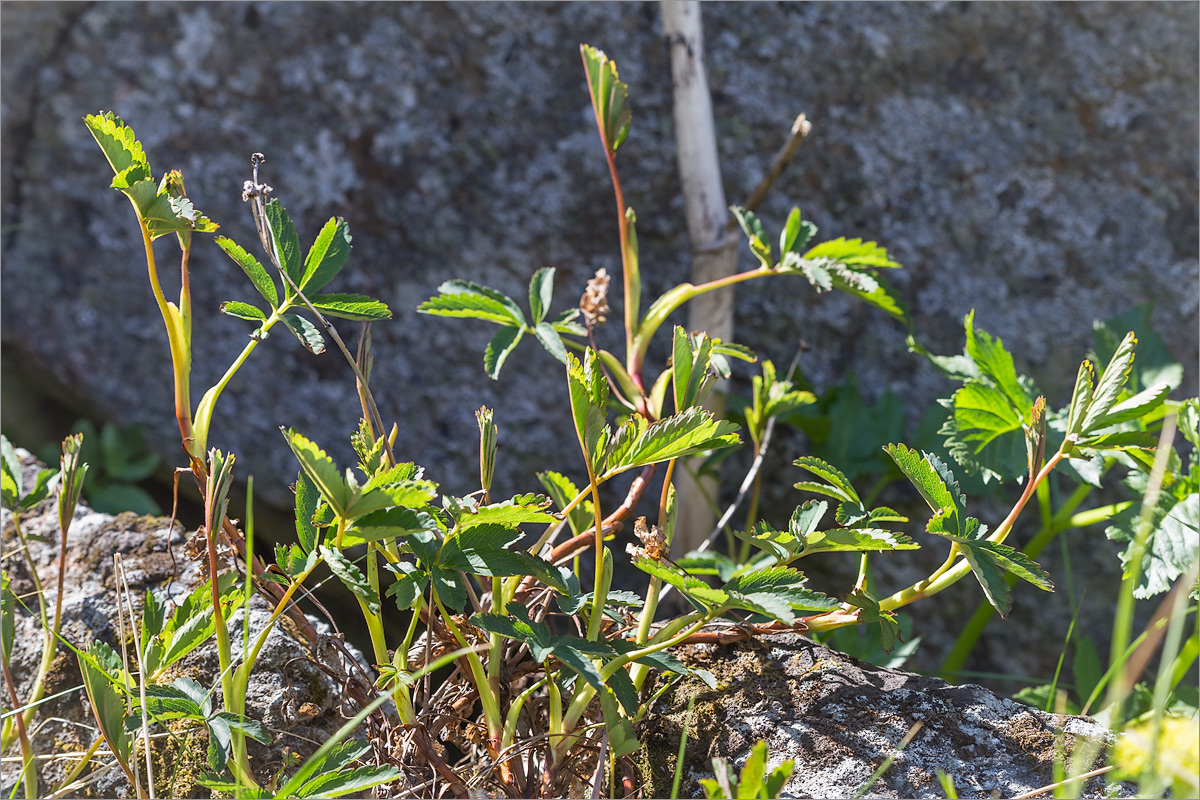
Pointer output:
694, 430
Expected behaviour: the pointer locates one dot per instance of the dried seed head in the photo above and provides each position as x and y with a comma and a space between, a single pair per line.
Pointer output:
594, 303
251, 189
654, 543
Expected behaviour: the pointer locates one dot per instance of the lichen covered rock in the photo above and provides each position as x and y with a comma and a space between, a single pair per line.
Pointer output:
839, 719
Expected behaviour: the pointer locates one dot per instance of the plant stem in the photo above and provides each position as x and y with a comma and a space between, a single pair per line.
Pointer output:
672, 300
29, 769
1061, 520
946, 576
489, 701
49, 645
180, 343
599, 586
639, 671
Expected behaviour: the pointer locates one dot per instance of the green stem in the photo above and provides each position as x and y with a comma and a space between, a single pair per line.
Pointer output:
1061, 520
49, 645
514, 713
180, 342
29, 768
1123, 619
639, 672
489, 701
495, 640
600, 585
946, 577
586, 693
204, 411
662, 308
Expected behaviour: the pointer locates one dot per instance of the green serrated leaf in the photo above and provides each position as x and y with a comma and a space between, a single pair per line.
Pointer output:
929, 480
588, 390
838, 487
565, 323
351, 306
563, 491
783, 546
305, 332
326, 257
1171, 546
541, 292
690, 368
10, 473
1110, 384
531, 508
117, 140
608, 97
99, 666
242, 311
858, 539
255, 271
499, 349
695, 430
1081, 398
1155, 363
321, 470
806, 518
1121, 440
348, 781
393, 523
1136, 407
470, 300
1189, 422
287, 245
191, 624
995, 364
306, 506
351, 576
853, 252
889, 627
984, 433
172, 702
409, 585
548, 336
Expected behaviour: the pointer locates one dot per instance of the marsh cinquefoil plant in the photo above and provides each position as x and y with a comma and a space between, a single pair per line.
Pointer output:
543, 665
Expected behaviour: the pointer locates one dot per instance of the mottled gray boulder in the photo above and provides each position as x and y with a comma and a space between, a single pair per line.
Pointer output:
838, 719
290, 691
1034, 161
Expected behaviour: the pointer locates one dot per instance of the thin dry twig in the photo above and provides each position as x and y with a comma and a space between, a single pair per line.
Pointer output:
799, 132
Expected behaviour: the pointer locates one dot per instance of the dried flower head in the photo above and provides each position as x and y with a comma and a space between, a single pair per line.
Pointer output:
594, 303
654, 543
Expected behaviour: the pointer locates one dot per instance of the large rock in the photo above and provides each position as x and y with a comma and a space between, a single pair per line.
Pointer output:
1035, 161
838, 719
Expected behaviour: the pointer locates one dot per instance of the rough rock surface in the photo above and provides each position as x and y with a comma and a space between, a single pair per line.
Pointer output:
296, 700
1037, 162
838, 719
